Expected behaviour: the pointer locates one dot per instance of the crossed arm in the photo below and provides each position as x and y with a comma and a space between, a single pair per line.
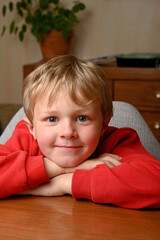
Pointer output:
61, 178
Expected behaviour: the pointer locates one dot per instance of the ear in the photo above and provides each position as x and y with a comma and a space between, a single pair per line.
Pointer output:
105, 124
30, 126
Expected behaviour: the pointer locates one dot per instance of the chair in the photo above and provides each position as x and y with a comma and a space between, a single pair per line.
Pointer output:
125, 115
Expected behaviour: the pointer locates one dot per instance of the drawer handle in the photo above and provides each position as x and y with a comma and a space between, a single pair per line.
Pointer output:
157, 94
156, 125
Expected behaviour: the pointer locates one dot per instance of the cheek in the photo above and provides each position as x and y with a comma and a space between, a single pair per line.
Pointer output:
92, 137
43, 138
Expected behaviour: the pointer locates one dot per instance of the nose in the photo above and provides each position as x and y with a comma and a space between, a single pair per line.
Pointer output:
68, 130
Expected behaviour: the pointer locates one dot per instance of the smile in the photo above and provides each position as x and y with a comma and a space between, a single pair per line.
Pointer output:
68, 148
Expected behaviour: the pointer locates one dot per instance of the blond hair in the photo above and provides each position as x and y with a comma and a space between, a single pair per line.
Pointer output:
70, 74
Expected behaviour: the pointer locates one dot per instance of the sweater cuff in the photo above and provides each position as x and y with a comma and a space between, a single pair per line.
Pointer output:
36, 172
81, 184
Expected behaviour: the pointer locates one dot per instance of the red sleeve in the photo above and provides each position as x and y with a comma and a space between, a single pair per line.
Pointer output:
133, 184
21, 163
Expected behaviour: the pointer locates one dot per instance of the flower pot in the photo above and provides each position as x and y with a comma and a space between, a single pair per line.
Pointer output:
53, 44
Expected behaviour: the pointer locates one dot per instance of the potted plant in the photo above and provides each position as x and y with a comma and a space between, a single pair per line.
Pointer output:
44, 18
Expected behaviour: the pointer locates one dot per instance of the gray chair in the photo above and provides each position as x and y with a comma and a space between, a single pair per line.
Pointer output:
125, 115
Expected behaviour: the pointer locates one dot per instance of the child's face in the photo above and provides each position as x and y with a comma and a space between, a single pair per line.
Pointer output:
66, 132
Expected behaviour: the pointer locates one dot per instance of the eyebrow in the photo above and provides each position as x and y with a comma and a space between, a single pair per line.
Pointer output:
50, 112
77, 110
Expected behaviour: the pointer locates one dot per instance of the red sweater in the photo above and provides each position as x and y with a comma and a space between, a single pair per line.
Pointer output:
133, 184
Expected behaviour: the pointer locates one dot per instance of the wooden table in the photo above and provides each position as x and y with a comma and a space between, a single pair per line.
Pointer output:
61, 218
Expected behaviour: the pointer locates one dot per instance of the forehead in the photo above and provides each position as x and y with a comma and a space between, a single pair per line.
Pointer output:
48, 101
50, 97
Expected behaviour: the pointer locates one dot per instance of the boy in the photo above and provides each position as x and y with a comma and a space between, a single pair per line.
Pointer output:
68, 107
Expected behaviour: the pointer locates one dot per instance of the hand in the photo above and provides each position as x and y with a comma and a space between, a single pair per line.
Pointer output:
57, 186
52, 169
61, 185
111, 160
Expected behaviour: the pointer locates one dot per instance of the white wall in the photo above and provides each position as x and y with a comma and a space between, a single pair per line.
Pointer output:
106, 27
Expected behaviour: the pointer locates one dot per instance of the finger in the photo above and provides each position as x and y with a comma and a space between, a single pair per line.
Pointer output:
106, 155
111, 160
108, 164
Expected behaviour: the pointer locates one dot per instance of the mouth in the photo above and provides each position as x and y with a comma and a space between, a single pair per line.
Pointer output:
69, 148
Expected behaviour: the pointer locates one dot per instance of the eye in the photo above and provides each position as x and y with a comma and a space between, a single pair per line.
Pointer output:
52, 119
82, 118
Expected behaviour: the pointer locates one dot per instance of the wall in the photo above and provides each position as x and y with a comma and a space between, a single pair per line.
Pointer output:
106, 27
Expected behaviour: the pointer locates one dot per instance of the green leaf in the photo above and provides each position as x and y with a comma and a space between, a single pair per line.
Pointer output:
46, 29
3, 30
20, 13
21, 36
61, 11
72, 17
54, 1
64, 34
24, 4
39, 37
10, 6
43, 4
34, 29
4, 11
24, 28
38, 14
18, 6
19, 10
11, 27
78, 7
16, 30
28, 18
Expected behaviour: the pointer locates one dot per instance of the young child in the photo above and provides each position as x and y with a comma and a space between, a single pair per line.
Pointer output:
65, 146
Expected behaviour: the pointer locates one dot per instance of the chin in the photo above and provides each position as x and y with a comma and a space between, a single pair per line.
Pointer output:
68, 164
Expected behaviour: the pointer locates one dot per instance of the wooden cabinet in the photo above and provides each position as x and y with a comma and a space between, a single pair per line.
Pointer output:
7, 111
141, 88
27, 69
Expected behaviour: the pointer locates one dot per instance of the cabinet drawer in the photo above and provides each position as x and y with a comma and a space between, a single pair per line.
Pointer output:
139, 93
153, 121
